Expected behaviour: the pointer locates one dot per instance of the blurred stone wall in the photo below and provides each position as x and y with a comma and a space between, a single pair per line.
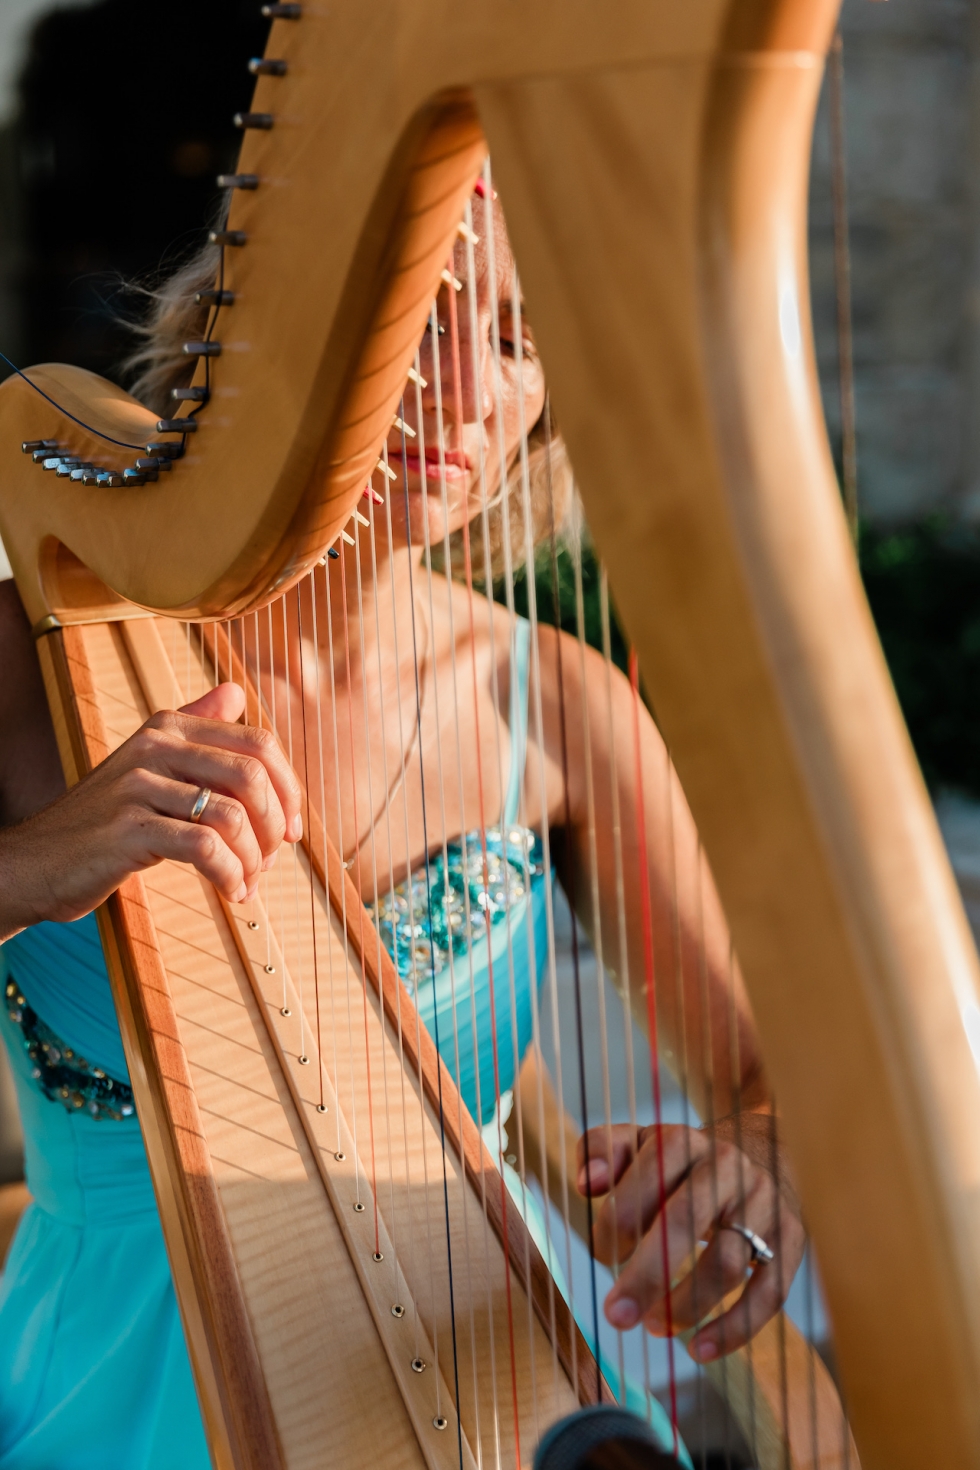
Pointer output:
913, 168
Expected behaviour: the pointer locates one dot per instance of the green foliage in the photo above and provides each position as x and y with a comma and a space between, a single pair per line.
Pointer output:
923, 584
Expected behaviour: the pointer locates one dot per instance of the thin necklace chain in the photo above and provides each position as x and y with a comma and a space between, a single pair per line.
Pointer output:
414, 738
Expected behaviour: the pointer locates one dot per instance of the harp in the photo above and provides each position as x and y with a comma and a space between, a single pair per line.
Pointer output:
653, 168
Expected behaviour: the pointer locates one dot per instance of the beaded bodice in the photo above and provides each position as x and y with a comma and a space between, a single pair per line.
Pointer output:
60, 1073
442, 910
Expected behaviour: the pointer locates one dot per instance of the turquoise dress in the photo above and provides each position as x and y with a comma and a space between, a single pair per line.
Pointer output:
94, 1372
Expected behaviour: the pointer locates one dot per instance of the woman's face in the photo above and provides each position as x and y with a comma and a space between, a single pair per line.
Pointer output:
480, 395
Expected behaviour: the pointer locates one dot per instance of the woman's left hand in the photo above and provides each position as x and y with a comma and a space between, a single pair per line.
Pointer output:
671, 1188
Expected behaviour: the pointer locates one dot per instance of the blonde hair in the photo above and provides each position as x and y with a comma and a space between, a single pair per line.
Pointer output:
159, 364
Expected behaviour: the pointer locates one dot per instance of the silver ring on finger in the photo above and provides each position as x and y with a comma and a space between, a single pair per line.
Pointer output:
761, 1250
200, 803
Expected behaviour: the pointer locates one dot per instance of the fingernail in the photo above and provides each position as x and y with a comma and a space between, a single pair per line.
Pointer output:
252, 891
270, 861
240, 894
655, 1321
295, 829
595, 1176
623, 1312
704, 1351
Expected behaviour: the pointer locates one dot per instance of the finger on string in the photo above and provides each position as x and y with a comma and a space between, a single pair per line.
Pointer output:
722, 1267
687, 1218
241, 776
225, 702
227, 817
251, 748
609, 1150
757, 1305
636, 1201
184, 842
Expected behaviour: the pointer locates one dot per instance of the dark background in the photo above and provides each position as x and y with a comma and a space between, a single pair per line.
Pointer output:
124, 119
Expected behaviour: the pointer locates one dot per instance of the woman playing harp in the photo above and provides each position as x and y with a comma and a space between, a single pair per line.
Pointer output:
455, 743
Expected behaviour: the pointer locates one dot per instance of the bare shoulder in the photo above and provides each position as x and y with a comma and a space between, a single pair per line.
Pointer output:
487, 622
30, 770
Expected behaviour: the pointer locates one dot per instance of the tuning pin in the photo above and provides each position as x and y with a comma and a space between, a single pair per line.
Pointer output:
371, 494
333, 553
348, 538
213, 297
237, 181
227, 237
261, 120
190, 395
401, 425
201, 349
34, 446
260, 67
282, 12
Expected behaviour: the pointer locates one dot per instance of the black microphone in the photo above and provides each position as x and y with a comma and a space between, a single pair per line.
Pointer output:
603, 1437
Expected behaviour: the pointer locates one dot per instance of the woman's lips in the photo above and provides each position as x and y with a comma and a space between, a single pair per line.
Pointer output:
457, 465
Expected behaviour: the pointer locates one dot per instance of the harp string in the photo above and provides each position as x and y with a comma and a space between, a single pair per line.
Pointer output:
427, 563
344, 918
459, 420
307, 788
374, 865
502, 469
520, 772
359, 881
300, 968
386, 817
534, 700
476, 365
622, 950
418, 682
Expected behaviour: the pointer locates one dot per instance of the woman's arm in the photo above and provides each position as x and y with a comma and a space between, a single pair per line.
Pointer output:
634, 869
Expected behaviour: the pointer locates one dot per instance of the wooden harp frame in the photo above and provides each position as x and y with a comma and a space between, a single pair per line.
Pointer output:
654, 163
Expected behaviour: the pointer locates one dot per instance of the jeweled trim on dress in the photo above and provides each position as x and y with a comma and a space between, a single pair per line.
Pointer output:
63, 1075
428, 918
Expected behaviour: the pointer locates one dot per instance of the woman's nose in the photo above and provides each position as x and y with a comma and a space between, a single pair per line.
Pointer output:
466, 386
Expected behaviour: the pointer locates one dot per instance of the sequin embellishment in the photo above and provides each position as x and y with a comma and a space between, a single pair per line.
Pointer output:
62, 1075
421, 937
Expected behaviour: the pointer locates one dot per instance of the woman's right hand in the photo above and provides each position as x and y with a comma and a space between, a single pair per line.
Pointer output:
134, 810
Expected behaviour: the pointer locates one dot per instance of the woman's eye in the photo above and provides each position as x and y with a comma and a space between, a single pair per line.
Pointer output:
508, 345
